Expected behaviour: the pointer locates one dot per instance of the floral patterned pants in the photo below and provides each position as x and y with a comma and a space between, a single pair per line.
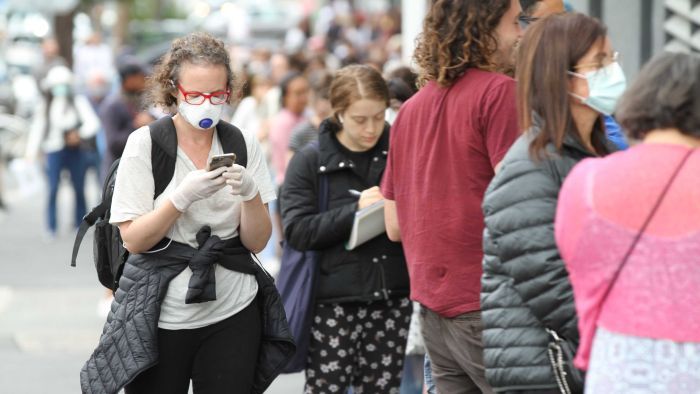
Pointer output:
360, 345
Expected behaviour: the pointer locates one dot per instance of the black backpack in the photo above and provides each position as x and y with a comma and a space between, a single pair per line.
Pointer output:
108, 249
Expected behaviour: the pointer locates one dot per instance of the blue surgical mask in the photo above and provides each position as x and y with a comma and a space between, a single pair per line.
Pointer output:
605, 87
60, 90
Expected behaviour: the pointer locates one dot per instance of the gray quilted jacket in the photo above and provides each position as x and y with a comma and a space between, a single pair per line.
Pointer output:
128, 345
525, 285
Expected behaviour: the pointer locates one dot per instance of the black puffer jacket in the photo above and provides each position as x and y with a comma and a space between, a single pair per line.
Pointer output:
525, 285
129, 345
373, 271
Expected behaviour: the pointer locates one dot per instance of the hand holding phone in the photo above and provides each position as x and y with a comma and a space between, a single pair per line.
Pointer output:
225, 160
241, 182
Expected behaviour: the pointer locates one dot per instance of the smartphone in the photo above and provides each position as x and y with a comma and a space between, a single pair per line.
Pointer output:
225, 160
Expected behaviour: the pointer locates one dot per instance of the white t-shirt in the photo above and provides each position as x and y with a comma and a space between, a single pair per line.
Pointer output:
133, 197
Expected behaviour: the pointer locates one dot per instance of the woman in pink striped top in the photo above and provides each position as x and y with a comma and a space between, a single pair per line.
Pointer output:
645, 336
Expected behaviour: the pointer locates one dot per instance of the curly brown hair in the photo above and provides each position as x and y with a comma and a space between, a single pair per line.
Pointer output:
195, 48
457, 35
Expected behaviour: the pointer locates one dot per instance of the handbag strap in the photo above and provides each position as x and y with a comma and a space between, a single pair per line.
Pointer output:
639, 235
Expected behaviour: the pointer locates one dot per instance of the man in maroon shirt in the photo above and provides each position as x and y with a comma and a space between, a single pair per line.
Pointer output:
445, 146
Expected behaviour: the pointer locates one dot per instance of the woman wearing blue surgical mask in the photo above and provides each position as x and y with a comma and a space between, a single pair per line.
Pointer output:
568, 78
201, 319
62, 123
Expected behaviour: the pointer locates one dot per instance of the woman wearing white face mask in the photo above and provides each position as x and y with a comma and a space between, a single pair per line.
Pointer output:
62, 122
567, 79
195, 238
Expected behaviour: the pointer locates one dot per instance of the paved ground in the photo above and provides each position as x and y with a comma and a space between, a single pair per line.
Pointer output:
48, 319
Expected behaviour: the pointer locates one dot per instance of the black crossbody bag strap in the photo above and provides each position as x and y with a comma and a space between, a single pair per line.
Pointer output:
639, 235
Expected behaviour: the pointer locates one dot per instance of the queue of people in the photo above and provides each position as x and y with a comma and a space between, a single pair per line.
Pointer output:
542, 256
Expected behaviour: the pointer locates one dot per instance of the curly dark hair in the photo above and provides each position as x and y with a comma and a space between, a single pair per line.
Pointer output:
195, 48
457, 35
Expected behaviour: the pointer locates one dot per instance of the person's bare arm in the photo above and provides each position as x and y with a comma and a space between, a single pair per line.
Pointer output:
256, 226
391, 221
143, 233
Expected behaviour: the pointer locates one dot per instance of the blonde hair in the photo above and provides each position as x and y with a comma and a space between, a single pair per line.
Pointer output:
353, 83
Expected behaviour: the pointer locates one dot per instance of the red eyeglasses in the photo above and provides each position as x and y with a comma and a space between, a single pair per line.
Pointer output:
197, 98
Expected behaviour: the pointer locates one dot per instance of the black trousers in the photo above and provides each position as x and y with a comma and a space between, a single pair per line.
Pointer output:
219, 358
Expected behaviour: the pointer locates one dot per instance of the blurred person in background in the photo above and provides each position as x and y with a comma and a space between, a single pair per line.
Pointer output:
121, 112
275, 66
446, 144
50, 51
278, 68
627, 226
296, 37
534, 10
565, 62
402, 86
294, 97
63, 120
90, 56
361, 320
249, 112
97, 88
307, 131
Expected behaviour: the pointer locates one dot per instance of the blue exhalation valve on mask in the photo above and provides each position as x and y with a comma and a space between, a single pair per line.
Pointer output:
206, 123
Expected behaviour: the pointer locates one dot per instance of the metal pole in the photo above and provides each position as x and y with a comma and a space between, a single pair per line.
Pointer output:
412, 14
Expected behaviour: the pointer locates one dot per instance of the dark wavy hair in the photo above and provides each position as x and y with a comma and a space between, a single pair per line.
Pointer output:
665, 95
457, 35
195, 48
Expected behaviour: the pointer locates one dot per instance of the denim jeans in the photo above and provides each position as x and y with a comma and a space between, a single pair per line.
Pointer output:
73, 160
428, 376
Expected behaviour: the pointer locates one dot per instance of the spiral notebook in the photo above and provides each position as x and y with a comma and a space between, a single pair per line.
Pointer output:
368, 223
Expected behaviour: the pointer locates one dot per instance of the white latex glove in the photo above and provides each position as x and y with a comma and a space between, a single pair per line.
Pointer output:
242, 184
197, 185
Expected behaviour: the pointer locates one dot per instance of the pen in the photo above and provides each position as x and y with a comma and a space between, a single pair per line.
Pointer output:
354, 192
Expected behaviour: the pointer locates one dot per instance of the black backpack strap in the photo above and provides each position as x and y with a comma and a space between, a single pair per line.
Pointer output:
232, 141
163, 153
87, 222
91, 218
163, 158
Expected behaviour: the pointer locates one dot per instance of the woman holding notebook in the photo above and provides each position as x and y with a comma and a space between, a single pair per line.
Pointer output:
360, 325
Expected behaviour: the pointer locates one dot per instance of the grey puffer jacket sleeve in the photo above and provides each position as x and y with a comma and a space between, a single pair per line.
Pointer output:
525, 285
128, 344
